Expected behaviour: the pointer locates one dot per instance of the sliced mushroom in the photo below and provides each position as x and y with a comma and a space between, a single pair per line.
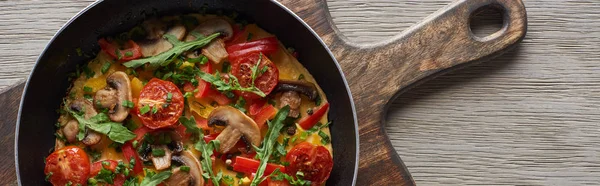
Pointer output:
215, 51
193, 177
302, 87
291, 98
91, 137
155, 43
237, 124
161, 162
212, 26
70, 130
117, 91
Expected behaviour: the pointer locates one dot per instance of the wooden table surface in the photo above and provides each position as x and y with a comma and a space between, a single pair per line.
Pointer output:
530, 117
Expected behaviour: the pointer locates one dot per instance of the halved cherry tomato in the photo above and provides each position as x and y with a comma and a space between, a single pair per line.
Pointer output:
266, 113
265, 81
112, 165
272, 182
128, 54
314, 161
266, 46
129, 153
249, 166
309, 121
162, 112
68, 164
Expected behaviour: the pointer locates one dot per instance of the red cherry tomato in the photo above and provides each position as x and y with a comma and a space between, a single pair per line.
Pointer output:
271, 182
162, 112
314, 161
128, 54
265, 81
68, 164
112, 165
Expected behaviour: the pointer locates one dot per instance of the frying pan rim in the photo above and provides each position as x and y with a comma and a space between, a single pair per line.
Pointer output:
26, 87
337, 65
84, 10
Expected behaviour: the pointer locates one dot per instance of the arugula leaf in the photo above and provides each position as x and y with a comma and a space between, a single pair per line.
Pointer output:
102, 124
133, 181
228, 180
263, 153
153, 179
231, 86
105, 176
168, 56
234, 83
277, 175
190, 125
205, 149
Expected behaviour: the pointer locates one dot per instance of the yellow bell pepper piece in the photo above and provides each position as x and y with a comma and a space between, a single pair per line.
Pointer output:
96, 83
200, 108
136, 87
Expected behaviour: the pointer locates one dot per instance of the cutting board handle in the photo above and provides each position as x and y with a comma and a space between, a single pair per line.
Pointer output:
378, 73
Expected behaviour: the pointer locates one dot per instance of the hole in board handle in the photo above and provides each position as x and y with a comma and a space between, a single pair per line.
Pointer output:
487, 22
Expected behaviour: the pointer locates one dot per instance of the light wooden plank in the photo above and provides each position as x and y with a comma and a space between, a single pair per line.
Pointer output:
527, 118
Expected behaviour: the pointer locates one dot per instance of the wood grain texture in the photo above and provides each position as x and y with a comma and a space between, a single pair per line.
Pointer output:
10, 107
527, 118
440, 42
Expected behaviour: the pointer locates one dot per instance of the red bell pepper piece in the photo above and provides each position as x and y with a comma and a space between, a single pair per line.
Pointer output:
140, 132
128, 153
255, 106
265, 114
206, 91
309, 121
128, 54
249, 166
238, 34
266, 46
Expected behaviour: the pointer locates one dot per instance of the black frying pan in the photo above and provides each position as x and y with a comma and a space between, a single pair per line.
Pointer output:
48, 81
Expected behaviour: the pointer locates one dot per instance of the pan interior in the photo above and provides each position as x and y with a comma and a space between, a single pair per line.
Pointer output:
48, 82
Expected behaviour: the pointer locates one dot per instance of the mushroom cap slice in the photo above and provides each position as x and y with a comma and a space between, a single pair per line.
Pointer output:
162, 162
215, 51
117, 91
303, 87
212, 26
293, 99
70, 130
159, 45
79, 105
237, 124
193, 177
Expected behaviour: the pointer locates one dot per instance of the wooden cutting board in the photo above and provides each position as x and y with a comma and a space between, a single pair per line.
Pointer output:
376, 73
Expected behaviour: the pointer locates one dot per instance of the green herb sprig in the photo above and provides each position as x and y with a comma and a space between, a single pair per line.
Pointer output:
205, 148
234, 83
153, 179
168, 56
102, 124
264, 152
